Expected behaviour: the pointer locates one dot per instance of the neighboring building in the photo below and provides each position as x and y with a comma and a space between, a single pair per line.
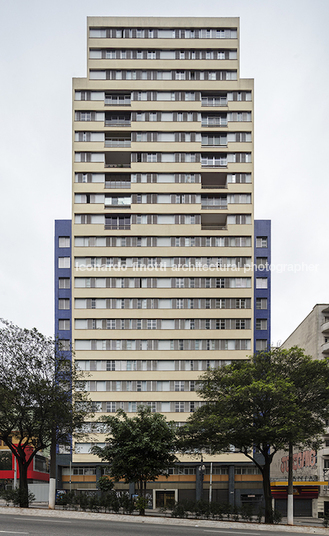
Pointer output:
262, 296
37, 472
162, 232
311, 469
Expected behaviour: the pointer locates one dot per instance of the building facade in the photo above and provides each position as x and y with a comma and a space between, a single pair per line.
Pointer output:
162, 238
311, 468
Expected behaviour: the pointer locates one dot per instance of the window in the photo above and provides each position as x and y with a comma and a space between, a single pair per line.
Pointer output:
110, 365
180, 282
261, 242
261, 263
64, 242
261, 323
179, 386
64, 262
111, 407
179, 304
179, 407
64, 324
63, 282
64, 304
151, 324
261, 345
261, 282
64, 345
261, 303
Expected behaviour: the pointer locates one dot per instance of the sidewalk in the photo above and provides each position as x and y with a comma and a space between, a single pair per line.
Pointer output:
302, 525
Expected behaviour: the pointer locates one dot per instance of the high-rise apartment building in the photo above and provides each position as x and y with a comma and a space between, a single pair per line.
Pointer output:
162, 222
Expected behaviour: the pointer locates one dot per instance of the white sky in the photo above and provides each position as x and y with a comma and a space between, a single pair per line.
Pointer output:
284, 47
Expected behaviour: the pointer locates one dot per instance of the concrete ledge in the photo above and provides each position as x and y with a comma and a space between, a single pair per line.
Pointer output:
153, 520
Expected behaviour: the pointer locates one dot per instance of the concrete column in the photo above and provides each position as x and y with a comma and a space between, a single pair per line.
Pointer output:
98, 475
231, 487
199, 483
131, 488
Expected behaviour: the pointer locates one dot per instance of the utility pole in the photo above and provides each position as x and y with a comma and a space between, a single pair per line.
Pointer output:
290, 502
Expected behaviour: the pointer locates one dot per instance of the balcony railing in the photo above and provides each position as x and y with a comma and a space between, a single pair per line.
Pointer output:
213, 102
205, 227
118, 165
214, 206
214, 122
117, 102
115, 226
117, 143
117, 123
216, 162
117, 184
123, 207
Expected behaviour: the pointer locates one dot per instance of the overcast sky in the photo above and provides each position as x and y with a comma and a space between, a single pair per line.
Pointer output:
284, 47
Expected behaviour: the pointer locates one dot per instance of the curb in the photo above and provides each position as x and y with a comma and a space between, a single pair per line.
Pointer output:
160, 520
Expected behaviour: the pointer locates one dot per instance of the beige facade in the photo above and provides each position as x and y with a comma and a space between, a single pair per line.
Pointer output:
162, 225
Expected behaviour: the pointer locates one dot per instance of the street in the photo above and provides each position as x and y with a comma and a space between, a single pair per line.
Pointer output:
21, 525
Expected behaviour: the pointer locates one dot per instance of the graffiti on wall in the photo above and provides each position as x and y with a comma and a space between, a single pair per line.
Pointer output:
307, 458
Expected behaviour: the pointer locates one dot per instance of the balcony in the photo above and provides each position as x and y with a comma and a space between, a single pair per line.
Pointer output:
117, 100
213, 222
117, 159
117, 180
117, 120
214, 121
117, 222
325, 327
118, 142
325, 348
117, 227
117, 184
117, 202
213, 180
213, 162
214, 203
213, 101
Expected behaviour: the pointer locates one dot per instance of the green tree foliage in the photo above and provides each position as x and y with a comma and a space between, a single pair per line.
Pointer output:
41, 396
138, 449
275, 398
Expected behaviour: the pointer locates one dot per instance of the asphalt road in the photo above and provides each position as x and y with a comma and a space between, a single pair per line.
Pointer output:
42, 526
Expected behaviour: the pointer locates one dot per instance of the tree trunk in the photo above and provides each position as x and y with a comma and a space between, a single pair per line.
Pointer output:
267, 491
290, 503
52, 473
23, 486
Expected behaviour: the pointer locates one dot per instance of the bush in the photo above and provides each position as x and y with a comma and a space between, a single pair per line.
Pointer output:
14, 496
216, 510
126, 503
83, 501
277, 517
202, 509
141, 504
247, 511
179, 510
260, 514
68, 500
235, 513
94, 503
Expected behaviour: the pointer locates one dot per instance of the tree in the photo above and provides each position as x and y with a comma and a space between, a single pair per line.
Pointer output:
138, 449
42, 401
276, 398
